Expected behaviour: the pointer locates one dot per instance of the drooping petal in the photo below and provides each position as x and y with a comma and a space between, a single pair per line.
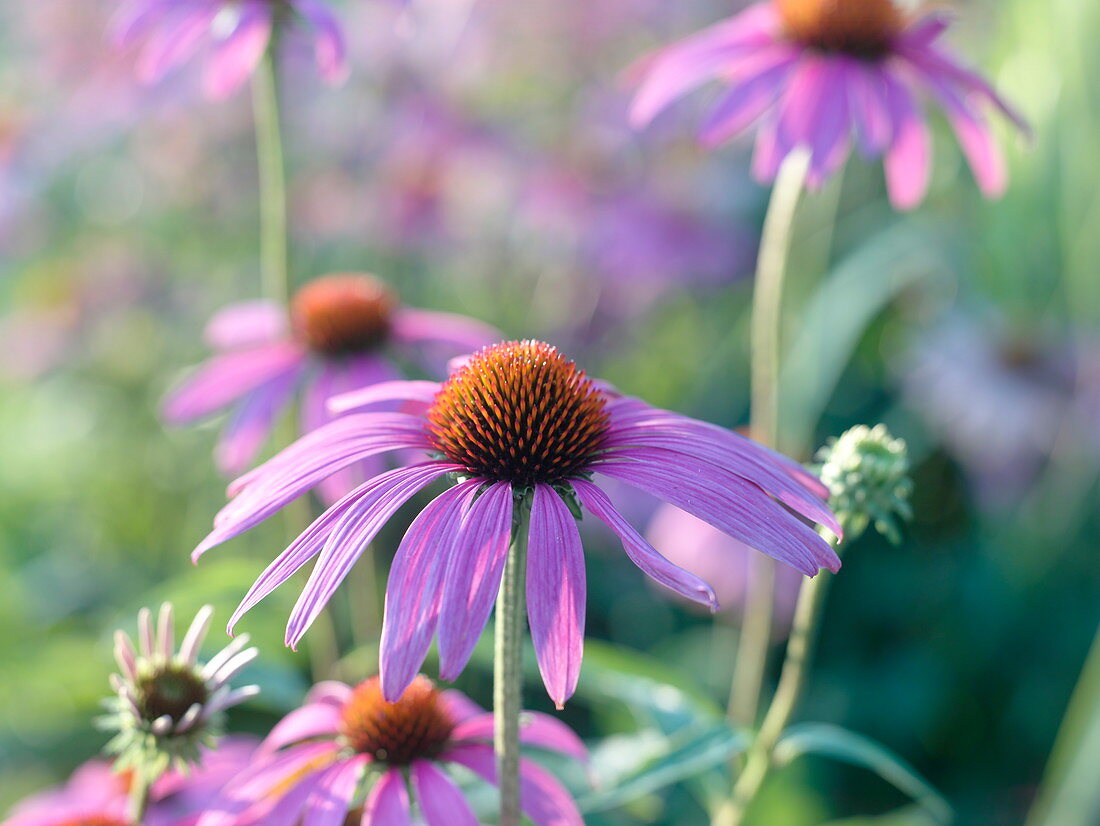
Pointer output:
414, 391
689, 64
388, 802
311, 720
328, 40
441, 801
536, 729
870, 107
414, 591
753, 93
174, 42
814, 113
641, 553
246, 324
351, 536
226, 378
250, 424
729, 503
328, 804
555, 593
542, 798
908, 160
925, 31
473, 577
236, 58
462, 334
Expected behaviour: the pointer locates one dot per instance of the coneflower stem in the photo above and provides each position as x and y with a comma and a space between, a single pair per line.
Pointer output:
269, 156
508, 675
792, 682
767, 313
138, 802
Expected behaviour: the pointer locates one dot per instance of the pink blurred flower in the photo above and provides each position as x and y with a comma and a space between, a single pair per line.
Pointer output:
721, 560
96, 795
816, 72
310, 767
235, 32
338, 337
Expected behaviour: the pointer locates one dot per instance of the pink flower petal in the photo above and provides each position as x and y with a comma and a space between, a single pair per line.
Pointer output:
388, 802
236, 58
908, 160
555, 593
246, 324
311, 720
441, 801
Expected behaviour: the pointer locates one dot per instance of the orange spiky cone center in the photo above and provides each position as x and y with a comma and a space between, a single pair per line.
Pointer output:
519, 412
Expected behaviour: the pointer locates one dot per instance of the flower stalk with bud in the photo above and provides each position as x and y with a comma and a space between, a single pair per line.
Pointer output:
167, 705
867, 473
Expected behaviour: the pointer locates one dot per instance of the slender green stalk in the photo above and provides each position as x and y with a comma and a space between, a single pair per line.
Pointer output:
273, 202
792, 682
508, 676
138, 801
767, 312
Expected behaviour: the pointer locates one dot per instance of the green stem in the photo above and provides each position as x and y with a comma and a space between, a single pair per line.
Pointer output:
792, 682
508, 676
767, 312
273, 202
139, 796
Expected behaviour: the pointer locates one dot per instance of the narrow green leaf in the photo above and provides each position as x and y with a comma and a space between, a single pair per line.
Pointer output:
840, 744
686, 758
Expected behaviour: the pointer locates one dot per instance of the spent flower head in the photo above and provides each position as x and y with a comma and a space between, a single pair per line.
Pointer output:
867, 473
167, 704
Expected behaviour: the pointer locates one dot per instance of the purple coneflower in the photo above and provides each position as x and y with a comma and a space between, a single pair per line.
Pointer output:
816, 71
237, 32
313, 765
339, 335
522, 430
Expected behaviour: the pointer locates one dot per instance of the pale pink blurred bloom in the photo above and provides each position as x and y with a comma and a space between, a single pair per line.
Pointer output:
817, 73
726, 563
233, 35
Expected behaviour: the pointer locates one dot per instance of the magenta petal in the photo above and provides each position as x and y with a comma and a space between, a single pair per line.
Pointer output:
388, 802
908, 161
236, 58
693, 61
441, 801
462, 334
461, 707
174, 42
555, 593
750, 97
226, 378
287, 811
351, 536
473, 577
246, 324
328, 805
328, 40
926, 30
641, 553
389, 391
870, 108
251, 423
312, 720
542, 798
414, 591
536, 729
330, 692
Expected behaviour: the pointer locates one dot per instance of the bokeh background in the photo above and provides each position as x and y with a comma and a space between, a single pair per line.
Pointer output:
479, 161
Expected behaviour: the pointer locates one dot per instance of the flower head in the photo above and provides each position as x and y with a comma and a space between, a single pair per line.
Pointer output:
339, 335
815, 73
348, 748
166, 703
238, 32
523, 432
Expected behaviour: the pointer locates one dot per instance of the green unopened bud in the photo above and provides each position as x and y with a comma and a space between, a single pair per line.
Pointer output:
867, 473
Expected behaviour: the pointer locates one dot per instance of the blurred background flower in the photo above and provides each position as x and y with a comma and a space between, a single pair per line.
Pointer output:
480, 157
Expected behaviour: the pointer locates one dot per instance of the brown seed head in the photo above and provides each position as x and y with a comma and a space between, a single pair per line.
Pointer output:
416, 726
864, 28
519, 412
342, 314
170, 689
